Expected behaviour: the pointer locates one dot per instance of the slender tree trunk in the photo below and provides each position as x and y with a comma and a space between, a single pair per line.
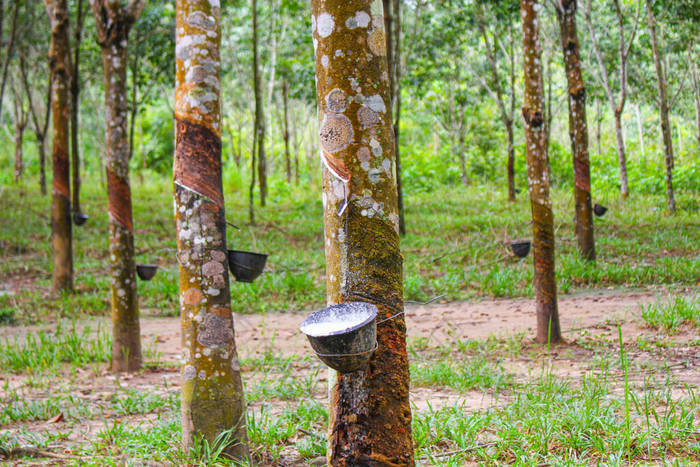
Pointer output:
640, 133
113, 24
461, 136
19, 126
285, 132
548, 329
237, 154
296, 143
259, 116
74, 115
680, 137
133, 108
663, 107
370, 415
696, 93
578, 128
621, 156
510, 120
212, 391
9, 48
59, 60
251, 188
42, 165
598, 121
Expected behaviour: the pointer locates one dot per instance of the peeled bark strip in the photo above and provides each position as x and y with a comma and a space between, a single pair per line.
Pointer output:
59, 60
212, 391
548, 329
663, 108
113, 25
370, 416
578, 129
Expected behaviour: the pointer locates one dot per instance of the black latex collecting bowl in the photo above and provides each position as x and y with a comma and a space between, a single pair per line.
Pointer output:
343, 336
79, 218
599, 210
520, 248
146, 271
246, 266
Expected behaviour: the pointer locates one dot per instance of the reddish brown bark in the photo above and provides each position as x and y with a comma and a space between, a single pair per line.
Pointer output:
113, 24
59, 60
370, 416
548, 329
75, 102
578, 128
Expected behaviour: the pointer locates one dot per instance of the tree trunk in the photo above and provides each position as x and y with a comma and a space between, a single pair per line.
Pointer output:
461, 136
598, 121
285, 133
621, 157
19, 138
113, 24
578, 129
212, 391
548, 329
41, 144
370, 415
696, 93
259, 116
75, 102
640, 133
59, 60
9, 47
663, 107
251, 188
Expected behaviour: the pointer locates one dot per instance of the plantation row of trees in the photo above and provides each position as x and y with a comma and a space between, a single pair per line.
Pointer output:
460, 56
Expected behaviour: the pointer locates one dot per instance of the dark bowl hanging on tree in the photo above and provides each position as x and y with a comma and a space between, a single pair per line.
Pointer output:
79, 218
520, 248
343, 336
599, 210
146, 271
246, 266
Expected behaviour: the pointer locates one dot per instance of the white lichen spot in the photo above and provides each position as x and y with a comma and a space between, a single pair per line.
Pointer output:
189, 372
324, 24
376, 103
360, 20
324, 61
202, 375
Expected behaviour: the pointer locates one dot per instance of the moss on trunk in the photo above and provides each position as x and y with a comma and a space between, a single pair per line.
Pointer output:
59, 60
370, 416
538, 177
578, 128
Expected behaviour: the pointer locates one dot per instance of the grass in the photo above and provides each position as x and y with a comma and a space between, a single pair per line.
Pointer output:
671, 315
454, 246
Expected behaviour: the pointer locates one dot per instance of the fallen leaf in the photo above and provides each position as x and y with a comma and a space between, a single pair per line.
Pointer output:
57, 418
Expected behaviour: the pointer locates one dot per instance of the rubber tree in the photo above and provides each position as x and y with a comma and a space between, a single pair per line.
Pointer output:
616, 106
19, 124
212, 392
696, 92
663, 103
538, 176
578, 127
259, 123
40, 120
75, 108
114, 21
59, 62
370, 416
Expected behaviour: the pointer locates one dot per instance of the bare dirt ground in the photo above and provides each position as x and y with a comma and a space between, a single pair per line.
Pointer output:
591, 314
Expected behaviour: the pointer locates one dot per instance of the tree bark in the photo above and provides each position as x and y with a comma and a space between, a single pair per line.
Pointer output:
696, 93
259, 115
370, 416
19, 124
548, 329
396, 97
212, 391
663, 107
74, 115
113, 25
285, 132
578, 128
9, 49
59, 60
640, 133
